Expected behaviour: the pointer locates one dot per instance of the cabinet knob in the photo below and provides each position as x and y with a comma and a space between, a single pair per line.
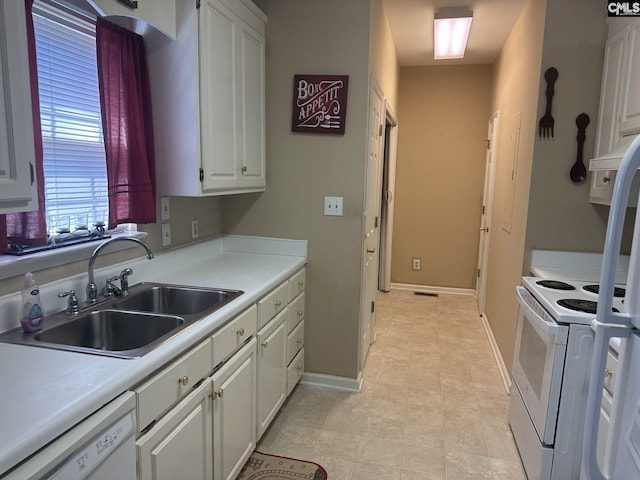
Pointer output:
605, 179
244, 169
299, 341
183, 381
240, 331
265, 344
300, 284
299, 313
299, 367
219, 392
278, 303
608, 373
212, 395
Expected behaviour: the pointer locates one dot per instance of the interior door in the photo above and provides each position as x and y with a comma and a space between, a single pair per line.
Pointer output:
485, 215
371, 218
387, 198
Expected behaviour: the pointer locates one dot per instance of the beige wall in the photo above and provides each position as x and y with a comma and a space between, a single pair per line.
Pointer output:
206, 210
560, 215
443, 112
515, 89
383, 60
330, 37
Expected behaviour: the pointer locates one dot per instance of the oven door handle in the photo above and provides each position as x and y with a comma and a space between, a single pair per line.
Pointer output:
541, 320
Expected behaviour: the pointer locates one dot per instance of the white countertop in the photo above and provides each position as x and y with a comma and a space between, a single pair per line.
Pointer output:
45, 392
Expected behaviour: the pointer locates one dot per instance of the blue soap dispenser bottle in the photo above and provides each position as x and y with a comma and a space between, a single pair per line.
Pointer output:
32, 316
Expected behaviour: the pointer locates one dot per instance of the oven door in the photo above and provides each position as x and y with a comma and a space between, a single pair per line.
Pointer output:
538, 363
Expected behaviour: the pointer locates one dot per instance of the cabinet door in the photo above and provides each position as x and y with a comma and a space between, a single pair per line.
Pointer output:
179, 445
272, 373
630, 104
612, 80
252, 101
234, 417
17, 173
218, 83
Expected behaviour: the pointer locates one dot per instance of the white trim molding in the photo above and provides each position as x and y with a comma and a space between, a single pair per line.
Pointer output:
428, 289
332, 381
502, 368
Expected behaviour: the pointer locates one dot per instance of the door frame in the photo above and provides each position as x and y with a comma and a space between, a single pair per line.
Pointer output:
387, 205
487, 205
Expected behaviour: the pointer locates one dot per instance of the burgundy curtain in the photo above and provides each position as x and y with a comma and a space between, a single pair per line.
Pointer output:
125, 101
29, 228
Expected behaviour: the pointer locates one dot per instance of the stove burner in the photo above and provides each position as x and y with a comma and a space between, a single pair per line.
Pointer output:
579, 305
555, 285
617, 291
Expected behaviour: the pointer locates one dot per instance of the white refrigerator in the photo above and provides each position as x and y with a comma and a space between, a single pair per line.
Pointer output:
622, 458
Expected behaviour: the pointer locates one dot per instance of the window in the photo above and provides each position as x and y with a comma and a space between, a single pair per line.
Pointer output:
74, 158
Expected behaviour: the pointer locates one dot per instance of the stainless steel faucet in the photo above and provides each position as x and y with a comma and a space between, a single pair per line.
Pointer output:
92, 289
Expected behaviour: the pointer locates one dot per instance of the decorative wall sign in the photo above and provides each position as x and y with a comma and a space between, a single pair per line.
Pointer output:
319, 103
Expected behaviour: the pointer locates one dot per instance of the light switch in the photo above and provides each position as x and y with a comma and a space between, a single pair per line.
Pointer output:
166, 234
333, 206
165, 214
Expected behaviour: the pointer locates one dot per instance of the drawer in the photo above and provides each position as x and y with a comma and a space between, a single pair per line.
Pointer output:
295, 371
173, 382
296, 284
230, 337
272, 304
610, 371
296, 312
295, 341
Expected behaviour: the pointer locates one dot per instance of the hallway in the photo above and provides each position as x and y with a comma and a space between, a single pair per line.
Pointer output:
432, 405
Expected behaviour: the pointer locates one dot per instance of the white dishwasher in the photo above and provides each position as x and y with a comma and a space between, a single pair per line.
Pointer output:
101, 447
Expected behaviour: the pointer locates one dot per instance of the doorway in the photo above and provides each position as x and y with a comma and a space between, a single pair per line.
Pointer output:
378, 212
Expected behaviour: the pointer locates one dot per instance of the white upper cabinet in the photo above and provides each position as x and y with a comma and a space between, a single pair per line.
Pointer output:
209, 100
18, 191
161, 14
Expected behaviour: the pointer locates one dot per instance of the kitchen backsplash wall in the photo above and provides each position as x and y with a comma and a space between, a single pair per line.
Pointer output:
206, 210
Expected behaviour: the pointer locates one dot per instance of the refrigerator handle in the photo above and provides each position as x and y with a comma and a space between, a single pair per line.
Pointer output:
603, 333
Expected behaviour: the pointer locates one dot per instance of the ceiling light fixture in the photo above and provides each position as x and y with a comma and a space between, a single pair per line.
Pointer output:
451, 26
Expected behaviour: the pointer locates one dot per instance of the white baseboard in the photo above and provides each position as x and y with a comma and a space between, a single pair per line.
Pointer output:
502, 368
332, 381
428, 289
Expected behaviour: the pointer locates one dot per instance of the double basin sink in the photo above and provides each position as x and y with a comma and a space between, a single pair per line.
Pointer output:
127, 326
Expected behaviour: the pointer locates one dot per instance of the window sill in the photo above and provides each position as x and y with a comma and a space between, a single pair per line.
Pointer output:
12, 266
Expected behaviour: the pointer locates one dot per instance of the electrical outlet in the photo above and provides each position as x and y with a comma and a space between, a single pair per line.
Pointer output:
194, 228
416, 263
165, 213
333, 206
166, 234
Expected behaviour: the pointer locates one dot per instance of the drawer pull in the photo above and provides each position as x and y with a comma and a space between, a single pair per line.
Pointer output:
240, 331
183, 381
299, 341
299, 367
278, 303
608, 373
300, 284
299, 313
265, 344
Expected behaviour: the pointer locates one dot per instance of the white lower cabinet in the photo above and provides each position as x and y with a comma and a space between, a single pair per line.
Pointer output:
272, 374
234, 417
178, 446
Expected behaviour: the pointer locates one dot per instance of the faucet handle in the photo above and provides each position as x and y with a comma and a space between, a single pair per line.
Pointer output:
72, 303
110, 289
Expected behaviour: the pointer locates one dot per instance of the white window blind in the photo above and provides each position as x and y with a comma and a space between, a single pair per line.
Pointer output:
74, 158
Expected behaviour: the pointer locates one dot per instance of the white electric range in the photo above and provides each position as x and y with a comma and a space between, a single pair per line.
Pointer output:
550, 372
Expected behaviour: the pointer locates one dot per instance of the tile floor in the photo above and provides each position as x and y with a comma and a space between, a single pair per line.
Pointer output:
432, 405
